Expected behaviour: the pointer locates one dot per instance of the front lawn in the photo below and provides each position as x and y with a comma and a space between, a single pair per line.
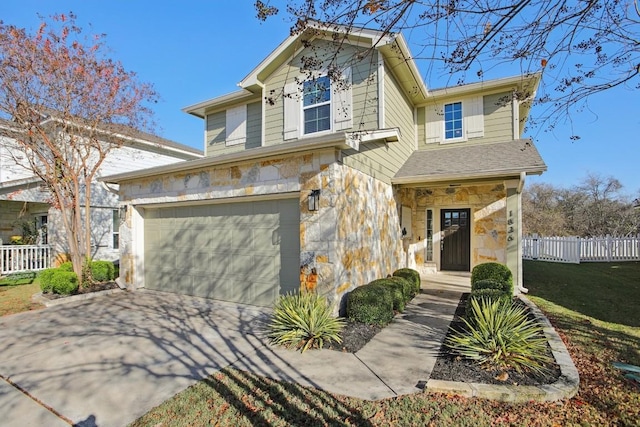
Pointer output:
17, 298
595, 337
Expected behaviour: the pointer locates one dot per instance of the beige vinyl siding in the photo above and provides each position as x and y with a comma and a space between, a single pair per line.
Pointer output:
216, 131
382, 160
215, 134
420, 125
364, 87
254, 125
498, 123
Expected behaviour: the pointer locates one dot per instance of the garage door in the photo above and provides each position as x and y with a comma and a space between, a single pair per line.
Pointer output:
242, 252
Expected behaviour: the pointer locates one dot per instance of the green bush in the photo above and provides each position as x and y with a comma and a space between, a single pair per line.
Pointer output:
66, 266
412, 276
304, 321
493, 271
488, 284
408, 287
397, 292
501, 336
45, 277
489, 294
102, 271
371, 304
64, 282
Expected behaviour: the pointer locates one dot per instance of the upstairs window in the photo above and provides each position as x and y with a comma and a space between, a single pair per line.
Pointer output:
453, 120
316, 105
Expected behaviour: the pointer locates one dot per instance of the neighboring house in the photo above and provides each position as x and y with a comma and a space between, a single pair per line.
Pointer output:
25, 208
331, 167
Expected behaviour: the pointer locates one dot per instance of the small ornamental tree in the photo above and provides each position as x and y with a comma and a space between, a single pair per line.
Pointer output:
64, 107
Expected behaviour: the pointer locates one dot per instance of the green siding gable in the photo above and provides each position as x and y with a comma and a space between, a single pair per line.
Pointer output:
382, 160
364, 81
216, 132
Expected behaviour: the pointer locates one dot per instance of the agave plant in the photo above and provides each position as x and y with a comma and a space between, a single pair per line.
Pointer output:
304, 321
499, 335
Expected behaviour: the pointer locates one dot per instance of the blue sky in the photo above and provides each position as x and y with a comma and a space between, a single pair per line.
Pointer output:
200, 49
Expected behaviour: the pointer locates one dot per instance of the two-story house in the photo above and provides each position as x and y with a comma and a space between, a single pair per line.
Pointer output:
333, 165
26, 210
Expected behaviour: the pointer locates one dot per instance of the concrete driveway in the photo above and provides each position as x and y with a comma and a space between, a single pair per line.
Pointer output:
108, 360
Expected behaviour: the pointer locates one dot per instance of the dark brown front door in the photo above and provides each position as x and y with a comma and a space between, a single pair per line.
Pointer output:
456, 242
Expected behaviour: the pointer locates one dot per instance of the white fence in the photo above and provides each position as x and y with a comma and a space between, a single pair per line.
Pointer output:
576, 249
18, 258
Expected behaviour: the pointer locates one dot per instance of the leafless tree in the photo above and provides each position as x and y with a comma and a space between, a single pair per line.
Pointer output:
581, 47
66, 105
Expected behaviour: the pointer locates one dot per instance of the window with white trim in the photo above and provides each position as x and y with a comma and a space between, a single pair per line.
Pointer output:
316, 105
453, 120
456, 121
115, 229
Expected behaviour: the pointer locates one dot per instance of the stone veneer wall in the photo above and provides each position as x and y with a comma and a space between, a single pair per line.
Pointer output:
351, 240
488, 211
267, 177
354, 237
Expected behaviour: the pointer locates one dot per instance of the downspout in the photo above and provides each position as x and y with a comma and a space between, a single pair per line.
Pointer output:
521, 288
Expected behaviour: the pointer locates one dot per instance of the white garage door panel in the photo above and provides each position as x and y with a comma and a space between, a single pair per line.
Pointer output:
243, 252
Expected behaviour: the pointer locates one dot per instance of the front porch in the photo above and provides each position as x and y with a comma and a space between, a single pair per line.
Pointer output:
452, 227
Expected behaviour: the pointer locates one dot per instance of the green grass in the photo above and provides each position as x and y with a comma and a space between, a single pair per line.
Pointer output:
17, 298
605, 291
594, 340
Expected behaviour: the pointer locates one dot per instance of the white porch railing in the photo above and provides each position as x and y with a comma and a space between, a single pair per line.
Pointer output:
18, 258
577, 250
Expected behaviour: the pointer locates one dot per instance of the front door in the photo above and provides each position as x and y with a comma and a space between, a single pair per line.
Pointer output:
456, 239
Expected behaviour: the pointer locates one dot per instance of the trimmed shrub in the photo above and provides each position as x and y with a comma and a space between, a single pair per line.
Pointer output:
66, 266
488, 284
371, 304
493, 271
45, 277
489, 294
304, 321
397, 292
412, 276
64, 282
102, 271
501, 336
408, 287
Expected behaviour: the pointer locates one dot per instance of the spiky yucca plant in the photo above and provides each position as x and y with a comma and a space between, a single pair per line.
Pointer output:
500, 335
304, 320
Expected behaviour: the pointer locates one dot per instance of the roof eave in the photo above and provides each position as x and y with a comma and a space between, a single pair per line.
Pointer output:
499, 174
341, 140
200, 108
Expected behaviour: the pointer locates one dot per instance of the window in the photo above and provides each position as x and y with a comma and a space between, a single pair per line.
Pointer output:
453, 120
115, 224
317, 105
428, 250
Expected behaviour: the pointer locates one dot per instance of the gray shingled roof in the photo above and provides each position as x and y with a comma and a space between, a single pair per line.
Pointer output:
471, 161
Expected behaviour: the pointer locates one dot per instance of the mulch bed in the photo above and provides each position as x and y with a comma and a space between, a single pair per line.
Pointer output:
96, 287
448, 366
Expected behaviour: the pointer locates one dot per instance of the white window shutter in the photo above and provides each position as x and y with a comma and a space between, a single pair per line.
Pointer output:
341, 102
291, 111
434, 124
236, 125
474, 111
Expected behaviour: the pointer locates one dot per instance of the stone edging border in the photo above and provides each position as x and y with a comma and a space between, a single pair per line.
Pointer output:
53, 302
565, 387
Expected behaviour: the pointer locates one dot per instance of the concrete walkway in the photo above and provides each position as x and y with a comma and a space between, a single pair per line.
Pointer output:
108, 360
